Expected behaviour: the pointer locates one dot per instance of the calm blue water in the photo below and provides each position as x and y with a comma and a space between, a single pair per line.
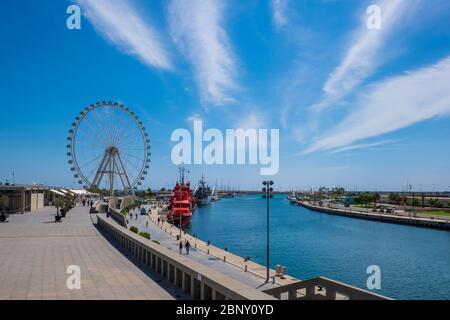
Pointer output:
414, 262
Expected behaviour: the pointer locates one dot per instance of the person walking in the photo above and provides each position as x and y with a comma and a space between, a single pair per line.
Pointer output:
131, 215
180, 246
146, 224
187, 245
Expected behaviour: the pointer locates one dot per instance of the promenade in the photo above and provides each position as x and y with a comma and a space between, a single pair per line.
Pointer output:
248, 272
35, 253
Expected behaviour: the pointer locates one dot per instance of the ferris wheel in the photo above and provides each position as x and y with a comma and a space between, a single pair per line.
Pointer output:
109, 148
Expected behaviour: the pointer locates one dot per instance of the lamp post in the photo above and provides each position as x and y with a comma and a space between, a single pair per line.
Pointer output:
267, 194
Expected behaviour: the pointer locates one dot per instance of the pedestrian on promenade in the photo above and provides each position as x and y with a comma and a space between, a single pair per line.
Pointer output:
136, 215
187, 245
146, 224
180, 246
131, 215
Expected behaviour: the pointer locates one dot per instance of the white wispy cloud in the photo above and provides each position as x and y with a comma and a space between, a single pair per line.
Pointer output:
365, 52
362, 146
194, 117
120, 23
279, 8
392, 104
197, 28
253, 120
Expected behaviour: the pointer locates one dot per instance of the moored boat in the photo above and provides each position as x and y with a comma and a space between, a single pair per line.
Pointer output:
292, 198
182, 203
203, 193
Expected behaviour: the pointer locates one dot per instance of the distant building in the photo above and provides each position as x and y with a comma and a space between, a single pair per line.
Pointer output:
23, 198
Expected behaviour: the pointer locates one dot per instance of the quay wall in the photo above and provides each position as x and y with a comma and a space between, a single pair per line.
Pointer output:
202, 282
412, 221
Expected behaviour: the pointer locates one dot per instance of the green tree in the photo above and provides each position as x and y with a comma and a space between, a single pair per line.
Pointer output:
94, 189
364, 198
375, 197
395, 198
433, 202
415, 202
337, 192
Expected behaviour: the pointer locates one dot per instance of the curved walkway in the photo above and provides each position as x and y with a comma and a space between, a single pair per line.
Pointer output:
211, 256
35, 253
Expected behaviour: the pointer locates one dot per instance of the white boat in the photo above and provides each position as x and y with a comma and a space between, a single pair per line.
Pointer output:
292, 198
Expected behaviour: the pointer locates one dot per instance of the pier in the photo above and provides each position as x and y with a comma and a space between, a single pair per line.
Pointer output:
440, 224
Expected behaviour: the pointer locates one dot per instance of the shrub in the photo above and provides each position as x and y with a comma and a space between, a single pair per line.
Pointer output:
146, 235
156, 241
134, 229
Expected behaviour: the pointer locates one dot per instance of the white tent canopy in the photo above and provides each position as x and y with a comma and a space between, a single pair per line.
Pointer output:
79, 192
57, 192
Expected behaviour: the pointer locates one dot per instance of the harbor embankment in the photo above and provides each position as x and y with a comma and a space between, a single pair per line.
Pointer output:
210, 272
382, 217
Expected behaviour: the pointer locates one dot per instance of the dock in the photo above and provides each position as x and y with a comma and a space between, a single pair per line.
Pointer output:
439, 224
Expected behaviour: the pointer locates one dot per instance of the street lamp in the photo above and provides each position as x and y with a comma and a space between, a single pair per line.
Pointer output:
267, 194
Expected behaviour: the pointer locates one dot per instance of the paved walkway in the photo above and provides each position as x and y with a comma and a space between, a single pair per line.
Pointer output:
234, 267
35, 253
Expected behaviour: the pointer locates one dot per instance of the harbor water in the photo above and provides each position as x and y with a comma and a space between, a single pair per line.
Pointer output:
414, 262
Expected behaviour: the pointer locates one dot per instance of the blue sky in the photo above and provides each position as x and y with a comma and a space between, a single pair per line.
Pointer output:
360, 108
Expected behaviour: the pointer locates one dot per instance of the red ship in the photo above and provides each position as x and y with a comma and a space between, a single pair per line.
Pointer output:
182, 202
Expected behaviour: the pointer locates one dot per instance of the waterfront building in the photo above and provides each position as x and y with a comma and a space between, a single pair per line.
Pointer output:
23, 198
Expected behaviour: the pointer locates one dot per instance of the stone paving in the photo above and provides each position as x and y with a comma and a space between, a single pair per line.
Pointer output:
234, 267
35, 253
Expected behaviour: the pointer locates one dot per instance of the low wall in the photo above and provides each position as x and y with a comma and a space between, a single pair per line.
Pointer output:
118, 217
202, 282
412, 221
322, 289
126, 200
